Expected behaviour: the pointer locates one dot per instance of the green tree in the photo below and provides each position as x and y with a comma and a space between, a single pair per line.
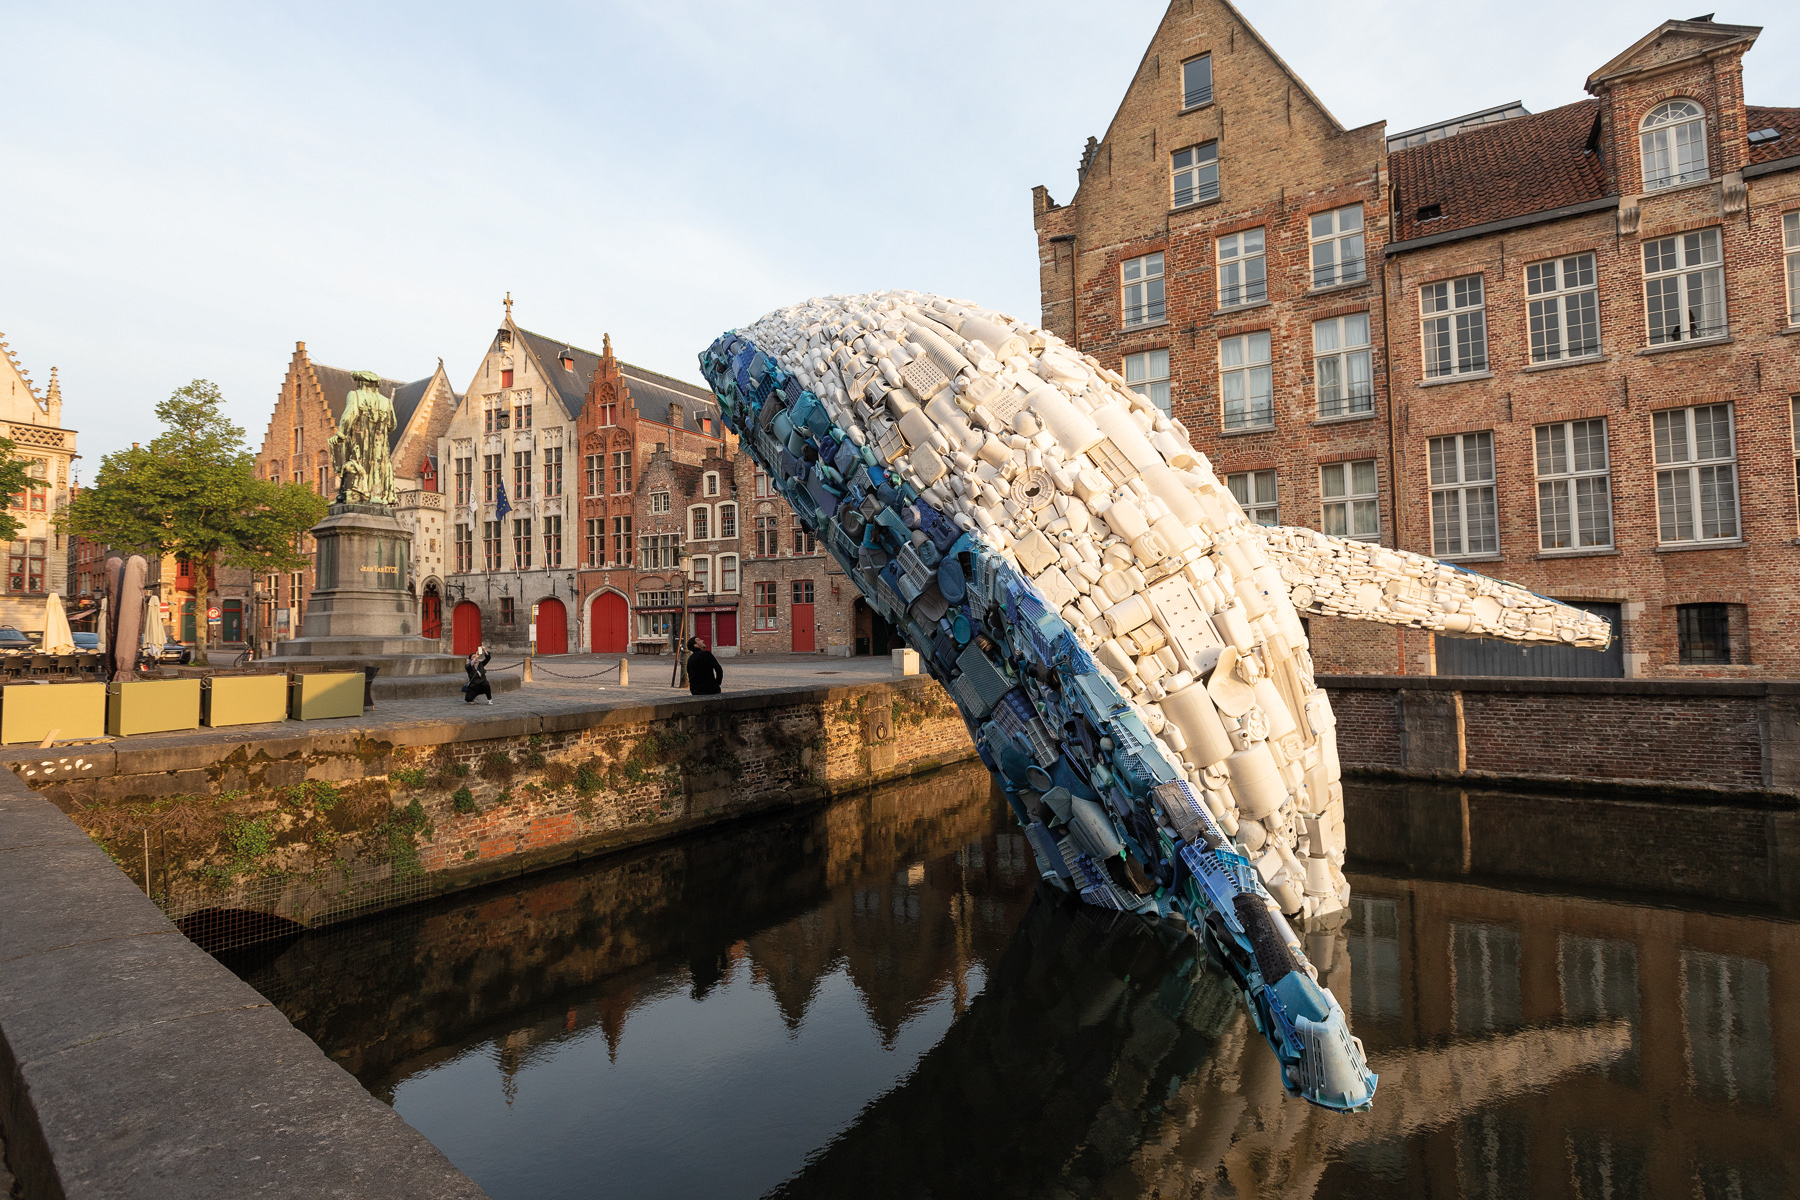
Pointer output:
193, 491
13, 482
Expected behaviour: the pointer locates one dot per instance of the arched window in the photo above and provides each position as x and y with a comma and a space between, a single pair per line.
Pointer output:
1674, 144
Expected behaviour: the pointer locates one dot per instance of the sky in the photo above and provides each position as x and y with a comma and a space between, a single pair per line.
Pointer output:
189, 189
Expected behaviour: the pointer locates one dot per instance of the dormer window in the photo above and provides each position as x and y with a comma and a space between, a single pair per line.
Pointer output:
1674, 144
568, 361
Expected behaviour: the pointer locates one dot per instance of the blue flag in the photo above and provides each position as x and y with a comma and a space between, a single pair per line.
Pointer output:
501, 507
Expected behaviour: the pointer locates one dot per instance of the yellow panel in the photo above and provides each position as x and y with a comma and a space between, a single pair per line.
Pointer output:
152, 706
246, 699
328, 694
28, 711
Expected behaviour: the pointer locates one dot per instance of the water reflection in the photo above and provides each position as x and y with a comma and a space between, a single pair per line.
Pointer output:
871, 1000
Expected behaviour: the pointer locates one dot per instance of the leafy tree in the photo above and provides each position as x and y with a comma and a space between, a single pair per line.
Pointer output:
193, 491
13, 482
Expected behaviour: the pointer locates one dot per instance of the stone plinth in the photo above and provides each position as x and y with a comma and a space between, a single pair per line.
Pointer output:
361, 613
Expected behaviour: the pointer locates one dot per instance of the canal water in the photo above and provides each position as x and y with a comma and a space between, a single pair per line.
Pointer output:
1564, 997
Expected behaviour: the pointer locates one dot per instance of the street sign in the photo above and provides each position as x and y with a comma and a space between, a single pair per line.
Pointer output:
212, 614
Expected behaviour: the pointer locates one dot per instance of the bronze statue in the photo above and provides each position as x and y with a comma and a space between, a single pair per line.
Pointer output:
359, 448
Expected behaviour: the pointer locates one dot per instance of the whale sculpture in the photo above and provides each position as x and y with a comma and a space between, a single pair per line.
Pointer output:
1123, 642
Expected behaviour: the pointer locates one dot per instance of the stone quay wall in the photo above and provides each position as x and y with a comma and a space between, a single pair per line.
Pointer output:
318, 826
1726, 737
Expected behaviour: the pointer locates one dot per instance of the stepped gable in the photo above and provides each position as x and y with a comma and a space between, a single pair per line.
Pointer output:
1489, 173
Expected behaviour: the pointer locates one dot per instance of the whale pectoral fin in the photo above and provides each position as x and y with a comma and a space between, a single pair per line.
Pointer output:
1360, 581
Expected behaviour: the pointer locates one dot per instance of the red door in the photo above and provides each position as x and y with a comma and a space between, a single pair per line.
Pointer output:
727, 626
802, 616
465, 628
553, 627
609, 623
431, 616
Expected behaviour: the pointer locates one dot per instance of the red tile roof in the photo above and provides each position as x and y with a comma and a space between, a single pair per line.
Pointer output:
1492, 172
1786, 120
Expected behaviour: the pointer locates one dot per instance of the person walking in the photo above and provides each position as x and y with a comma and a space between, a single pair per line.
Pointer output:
704, 672
476, 666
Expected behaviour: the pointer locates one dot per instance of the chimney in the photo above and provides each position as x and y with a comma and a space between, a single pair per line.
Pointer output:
675, 415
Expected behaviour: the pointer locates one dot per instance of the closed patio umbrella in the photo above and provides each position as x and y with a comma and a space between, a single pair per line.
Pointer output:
58, 639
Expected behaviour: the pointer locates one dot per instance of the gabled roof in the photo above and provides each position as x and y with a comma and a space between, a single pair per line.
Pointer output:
652, 391
1785, 121
1490, 173
1691, 38
570, 386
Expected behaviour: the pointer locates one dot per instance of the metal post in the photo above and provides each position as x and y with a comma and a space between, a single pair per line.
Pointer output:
685, 564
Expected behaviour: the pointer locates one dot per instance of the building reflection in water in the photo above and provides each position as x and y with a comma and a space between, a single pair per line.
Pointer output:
870, 1000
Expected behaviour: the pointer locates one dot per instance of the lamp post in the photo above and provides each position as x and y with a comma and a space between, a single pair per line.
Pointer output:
685, 562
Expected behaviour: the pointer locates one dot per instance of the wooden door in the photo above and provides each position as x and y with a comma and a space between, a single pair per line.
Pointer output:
431, 614
727, 630
609, 624
465, 628
805, 640
552, 627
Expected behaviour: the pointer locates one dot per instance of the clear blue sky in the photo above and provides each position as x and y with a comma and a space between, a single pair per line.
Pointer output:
192, 188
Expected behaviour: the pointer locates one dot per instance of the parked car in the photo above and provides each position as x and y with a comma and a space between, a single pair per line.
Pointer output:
87, 643
13, 642
175, 652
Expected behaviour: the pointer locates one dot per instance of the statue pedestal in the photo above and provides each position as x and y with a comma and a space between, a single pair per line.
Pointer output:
361, 614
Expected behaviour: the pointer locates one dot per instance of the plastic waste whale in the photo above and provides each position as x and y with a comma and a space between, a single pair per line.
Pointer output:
1124, 644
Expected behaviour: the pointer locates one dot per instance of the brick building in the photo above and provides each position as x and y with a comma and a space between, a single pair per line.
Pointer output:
1593, 358
37, 561
295, 450
796, 596
1323, 330
643, 438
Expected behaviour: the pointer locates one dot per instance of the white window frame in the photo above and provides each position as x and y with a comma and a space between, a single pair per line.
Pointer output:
1244, 375
1464, 495
659, 503
1349, 504
1243, 268
1337, 361
719, 521
1684, 479
1194, 174
728, 573
711, 482
1790, 242
701, 530
1690, 268
1574, 485
621, 468
1562, 309
1794, 408
1195, 95
1147, 374
700, 572
1142, 299
1262, 504
1335, 246
1668, 137
1453, 327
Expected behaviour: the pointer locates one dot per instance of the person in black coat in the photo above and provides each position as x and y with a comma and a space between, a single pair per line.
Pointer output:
476, 666
704, 672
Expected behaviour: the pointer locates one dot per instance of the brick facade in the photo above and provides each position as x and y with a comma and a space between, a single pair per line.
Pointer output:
1489, 200
635, 427
786, 569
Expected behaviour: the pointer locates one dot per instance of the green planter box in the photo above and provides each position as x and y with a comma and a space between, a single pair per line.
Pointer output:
327, 694
244, 700
152, 706
28, 711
